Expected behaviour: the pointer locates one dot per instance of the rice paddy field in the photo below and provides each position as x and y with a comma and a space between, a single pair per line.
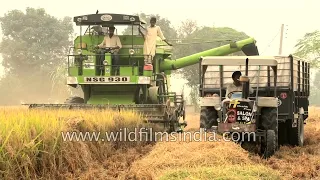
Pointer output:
34, 145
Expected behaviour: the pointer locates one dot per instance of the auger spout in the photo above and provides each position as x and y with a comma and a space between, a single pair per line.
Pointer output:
248, 46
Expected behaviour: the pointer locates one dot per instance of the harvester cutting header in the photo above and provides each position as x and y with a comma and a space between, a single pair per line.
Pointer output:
117, 77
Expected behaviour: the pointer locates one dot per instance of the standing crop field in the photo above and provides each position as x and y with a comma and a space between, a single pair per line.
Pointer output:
34, 142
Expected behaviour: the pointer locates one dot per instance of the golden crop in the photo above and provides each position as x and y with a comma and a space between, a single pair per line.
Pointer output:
32, 146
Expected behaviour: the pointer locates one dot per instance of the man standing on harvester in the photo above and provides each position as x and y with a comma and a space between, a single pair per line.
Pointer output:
150, 40
110, 41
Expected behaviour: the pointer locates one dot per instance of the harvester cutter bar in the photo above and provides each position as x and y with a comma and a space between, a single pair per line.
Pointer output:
153, 113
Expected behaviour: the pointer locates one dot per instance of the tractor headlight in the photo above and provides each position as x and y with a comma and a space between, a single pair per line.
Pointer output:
131, 51
105, 62
79, 51
143, 80
217, 107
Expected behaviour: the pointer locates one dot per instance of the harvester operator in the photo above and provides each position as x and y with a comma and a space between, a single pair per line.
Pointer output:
150, 38
113, 42
236, 85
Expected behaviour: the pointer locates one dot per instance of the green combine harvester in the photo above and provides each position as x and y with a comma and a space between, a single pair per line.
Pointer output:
144, 88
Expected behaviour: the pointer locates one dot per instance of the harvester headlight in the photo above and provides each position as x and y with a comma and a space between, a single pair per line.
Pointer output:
217, 107
79, 51
131, 51
105, 62
90, 59
72, 80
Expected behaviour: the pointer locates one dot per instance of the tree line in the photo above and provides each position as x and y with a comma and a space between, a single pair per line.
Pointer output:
35, 44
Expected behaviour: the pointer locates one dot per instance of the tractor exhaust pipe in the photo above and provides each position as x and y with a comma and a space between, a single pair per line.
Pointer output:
245, 82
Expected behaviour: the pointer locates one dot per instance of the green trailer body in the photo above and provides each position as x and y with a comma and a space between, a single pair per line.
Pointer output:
136, 86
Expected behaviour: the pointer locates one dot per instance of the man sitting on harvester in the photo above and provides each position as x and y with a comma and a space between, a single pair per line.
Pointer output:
113, 42
236, 85
150, 40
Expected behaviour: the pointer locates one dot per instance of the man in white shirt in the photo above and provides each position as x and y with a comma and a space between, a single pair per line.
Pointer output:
113, 42
150, 38
236, 85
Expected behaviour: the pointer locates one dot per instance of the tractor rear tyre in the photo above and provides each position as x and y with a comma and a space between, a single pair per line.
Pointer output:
297, 133
74, 100
269, 144
208, 117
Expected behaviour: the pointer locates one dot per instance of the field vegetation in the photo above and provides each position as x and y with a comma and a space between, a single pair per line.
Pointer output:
32, 147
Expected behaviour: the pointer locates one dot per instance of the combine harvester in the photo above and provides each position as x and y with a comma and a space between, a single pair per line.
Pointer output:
140, 87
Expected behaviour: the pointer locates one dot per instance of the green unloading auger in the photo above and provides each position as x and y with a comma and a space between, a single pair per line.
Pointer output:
247, 46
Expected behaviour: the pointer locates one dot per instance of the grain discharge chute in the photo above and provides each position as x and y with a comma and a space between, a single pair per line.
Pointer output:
144, 88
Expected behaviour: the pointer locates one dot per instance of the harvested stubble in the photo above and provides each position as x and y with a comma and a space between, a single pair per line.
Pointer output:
32, 145
226, 160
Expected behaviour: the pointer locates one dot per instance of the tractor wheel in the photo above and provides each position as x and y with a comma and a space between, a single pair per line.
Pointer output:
74, 100
208, 117
269, 144
269, 121
297, 133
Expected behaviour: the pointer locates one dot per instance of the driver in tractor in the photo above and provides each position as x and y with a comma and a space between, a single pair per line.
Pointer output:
236, 85
110, 43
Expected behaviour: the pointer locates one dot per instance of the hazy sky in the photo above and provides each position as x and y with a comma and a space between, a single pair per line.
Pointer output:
259, 19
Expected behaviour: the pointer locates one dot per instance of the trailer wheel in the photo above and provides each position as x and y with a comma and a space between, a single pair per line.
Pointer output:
297, 133
208, 117
74, 100
269, 144
269, 121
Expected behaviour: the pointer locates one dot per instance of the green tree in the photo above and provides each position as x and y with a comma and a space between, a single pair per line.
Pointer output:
309, 47
315, 90
34, 47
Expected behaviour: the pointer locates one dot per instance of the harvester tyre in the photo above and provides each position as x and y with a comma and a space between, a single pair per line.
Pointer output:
269, 121
74, 100
208, 117
297, 133
269, 145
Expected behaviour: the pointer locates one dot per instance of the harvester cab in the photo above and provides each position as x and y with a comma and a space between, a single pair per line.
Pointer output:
90, 60
245, 117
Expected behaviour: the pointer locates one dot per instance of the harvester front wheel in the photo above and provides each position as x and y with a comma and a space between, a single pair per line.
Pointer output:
74, 100
208, 117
